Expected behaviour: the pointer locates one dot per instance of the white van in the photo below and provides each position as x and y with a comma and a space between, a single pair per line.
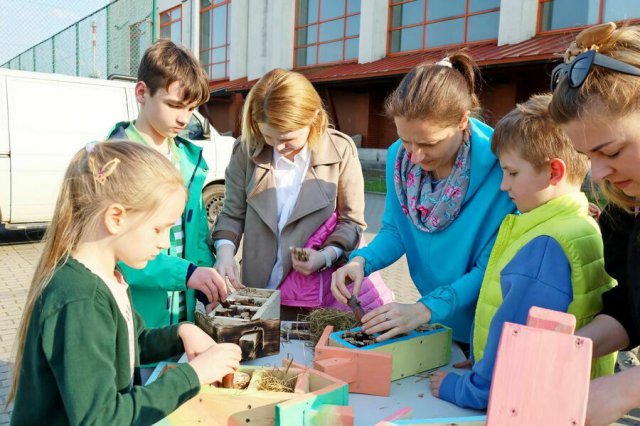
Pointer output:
46, 118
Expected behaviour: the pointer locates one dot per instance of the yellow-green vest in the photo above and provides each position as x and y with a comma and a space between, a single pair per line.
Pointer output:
567, 221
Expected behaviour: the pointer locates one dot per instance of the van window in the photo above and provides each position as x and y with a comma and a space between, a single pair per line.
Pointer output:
194, 130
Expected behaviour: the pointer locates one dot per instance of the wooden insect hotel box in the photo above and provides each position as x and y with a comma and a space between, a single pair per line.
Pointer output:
369, 367
541, 376
250, 320
542, 372
313, 398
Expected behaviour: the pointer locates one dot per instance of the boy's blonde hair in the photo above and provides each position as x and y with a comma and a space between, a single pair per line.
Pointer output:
131, 174
164, 63
286, 101
437, 92
604, 93
529, 130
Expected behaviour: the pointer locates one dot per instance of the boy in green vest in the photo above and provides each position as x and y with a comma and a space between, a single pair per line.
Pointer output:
549, 255
171, 84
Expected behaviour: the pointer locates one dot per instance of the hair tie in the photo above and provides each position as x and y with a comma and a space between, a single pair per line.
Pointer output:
589, 39
90, 147
105, 171
445, 62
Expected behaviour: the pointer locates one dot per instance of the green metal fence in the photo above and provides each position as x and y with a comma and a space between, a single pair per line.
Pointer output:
109, 41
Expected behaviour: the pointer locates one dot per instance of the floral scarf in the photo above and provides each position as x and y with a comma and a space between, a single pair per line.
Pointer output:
431, 208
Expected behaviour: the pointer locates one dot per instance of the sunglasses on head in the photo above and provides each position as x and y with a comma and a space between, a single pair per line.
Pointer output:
578, 70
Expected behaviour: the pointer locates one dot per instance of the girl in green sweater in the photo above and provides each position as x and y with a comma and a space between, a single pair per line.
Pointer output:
80, 343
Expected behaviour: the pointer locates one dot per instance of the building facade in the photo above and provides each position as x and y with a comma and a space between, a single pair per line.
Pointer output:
354, 51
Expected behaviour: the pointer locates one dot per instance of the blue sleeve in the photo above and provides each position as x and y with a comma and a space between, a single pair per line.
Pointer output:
387, 246
539, 275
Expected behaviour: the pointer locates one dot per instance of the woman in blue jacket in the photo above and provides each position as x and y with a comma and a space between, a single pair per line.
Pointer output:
443, 205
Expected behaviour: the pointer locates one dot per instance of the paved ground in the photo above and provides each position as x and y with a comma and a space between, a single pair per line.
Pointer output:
19, 253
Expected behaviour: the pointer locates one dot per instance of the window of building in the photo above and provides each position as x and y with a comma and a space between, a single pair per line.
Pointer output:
422, 24
214, 37
171, 24
327, 31
563, 14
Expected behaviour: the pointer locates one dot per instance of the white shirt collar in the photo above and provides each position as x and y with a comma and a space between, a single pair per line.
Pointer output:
301, 157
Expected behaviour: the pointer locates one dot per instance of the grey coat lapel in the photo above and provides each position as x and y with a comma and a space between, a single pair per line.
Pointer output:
263, 195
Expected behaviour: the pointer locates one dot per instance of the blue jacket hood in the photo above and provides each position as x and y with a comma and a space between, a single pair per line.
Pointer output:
481, 155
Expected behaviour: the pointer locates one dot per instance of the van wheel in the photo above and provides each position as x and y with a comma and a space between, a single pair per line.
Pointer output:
213, 196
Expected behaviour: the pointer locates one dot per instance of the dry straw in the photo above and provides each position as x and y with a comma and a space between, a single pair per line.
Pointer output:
276, 380
319, 319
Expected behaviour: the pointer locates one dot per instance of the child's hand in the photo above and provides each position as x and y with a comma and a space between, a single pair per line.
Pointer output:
216, 362
208, 281
466, 364
195, 340
436, 380
227, 266
306, 260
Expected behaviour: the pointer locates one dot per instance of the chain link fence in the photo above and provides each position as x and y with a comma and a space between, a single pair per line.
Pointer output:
110, 41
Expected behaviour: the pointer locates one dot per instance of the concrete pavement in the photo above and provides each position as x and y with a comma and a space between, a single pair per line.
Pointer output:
18, 258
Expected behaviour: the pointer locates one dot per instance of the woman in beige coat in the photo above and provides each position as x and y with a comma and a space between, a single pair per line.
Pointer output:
288, 174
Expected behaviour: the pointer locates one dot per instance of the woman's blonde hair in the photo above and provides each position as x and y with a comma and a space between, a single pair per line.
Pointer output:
442, 92
286, 101
131, 174
604, 93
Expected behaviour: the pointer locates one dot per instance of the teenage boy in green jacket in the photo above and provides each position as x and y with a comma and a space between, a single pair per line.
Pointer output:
171, 84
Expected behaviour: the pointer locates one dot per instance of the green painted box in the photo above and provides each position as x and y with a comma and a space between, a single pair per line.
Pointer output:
425, 348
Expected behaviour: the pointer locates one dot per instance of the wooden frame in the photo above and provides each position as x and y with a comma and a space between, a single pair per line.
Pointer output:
257, 336
365, 371
371, 369
541, 376
316, 399
553, 388
418, 351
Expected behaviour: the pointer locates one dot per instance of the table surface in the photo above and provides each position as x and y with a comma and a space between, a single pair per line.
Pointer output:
411, 392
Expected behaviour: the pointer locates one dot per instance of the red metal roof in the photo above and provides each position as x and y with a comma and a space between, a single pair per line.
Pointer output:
535, 49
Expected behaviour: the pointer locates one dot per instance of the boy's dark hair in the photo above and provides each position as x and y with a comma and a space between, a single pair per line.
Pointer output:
529, 130
164, 63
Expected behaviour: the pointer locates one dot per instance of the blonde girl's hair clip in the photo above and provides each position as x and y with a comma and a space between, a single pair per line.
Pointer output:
589, 39
445, 62
105, 171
